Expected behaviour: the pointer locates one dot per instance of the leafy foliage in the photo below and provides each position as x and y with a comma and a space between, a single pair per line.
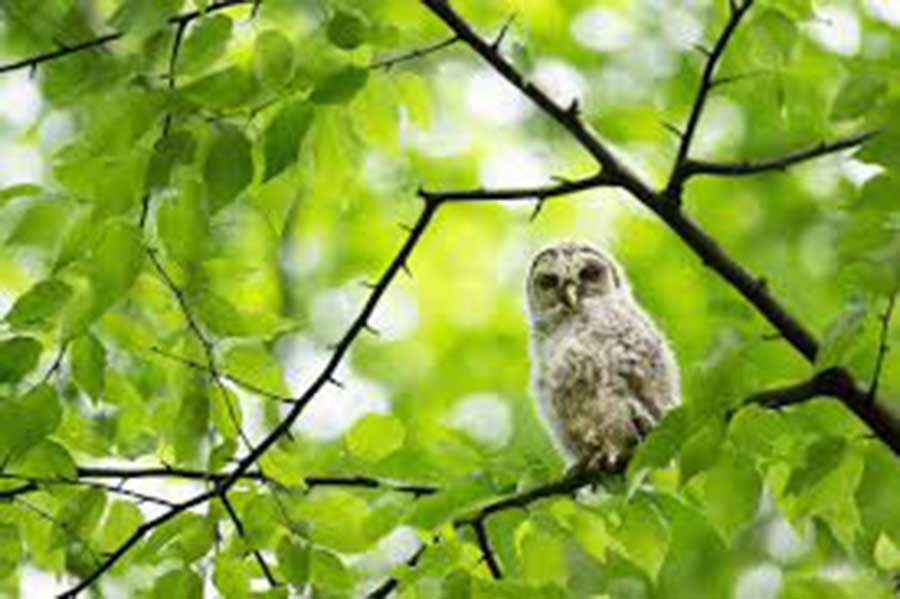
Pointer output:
197, 393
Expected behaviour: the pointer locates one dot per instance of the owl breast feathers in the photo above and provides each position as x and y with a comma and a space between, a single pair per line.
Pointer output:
602, 373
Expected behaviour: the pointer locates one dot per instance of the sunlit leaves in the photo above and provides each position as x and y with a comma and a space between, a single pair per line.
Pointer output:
10, 549
346, 30
122, 518
274, 58
229, 167
376, 436
204, 44
293, 560
225, 88
731, 492
39, 303
178, 583
17, 357
183, 222
230, 576
284, 135
887, 553
644, 535
329, 575
176, 148
842, 333
340, 87
252, 362
858, 95
543, 557
88, 360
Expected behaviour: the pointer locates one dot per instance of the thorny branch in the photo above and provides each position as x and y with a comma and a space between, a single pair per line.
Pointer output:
781, 163
707, 82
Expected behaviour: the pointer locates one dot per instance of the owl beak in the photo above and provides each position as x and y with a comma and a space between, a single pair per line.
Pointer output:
569, 295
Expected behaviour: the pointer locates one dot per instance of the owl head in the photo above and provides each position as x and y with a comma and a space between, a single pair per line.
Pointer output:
567, 276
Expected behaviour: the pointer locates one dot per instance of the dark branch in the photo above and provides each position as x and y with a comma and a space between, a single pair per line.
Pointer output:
521, 193
388, 586
484, 543
883, 347
180, 20
389, 63
837, 383
239, 527
781, 163
283, 428
707, 82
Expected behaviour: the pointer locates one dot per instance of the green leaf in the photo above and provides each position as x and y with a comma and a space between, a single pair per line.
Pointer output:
887, 553
183, 222
773, 38
329, 575
701, 450
122, 520
842, 334
337, 520
178, 583
227, 88
253, 363
229, 167
144, 17
169, 151
732, 491
293, 560
22, 190
284, 136
543, 557
858, 95
413, 93
274, 58
88, 359
205, 43
47, 459
225, 411
346, 30
822, 456
10, 549
39, 303
644, 536
18, 356
116, 263
231, 577
340, 87
376, 436
81, 514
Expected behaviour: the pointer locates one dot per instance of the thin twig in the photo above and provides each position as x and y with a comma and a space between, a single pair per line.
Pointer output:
239, 527
247, 386
780, 163
487, 552
520, 193
389, 63
33, 62
707, 82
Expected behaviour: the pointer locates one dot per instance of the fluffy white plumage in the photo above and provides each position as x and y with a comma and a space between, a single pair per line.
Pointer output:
602, 372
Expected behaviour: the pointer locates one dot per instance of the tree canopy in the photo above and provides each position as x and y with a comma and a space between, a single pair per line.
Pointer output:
261, 288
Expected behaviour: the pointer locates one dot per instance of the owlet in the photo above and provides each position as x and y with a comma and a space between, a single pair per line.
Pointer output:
602, 372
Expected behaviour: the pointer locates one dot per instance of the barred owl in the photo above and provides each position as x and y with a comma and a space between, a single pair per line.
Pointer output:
602, 373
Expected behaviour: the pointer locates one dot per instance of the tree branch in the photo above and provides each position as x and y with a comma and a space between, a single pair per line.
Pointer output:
389, 63
484, 543
781, 163
837, 382
519, 193
707, 82
239, 527
243, 468
180, 20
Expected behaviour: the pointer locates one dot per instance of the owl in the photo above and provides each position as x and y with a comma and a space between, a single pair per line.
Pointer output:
602, 373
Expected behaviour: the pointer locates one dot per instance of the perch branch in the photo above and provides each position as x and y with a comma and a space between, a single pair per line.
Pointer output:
883, 347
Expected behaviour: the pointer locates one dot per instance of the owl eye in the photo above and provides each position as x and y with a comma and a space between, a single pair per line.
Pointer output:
547, 281
591, 273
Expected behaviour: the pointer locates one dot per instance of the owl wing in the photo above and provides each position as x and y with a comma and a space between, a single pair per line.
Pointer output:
648, 384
